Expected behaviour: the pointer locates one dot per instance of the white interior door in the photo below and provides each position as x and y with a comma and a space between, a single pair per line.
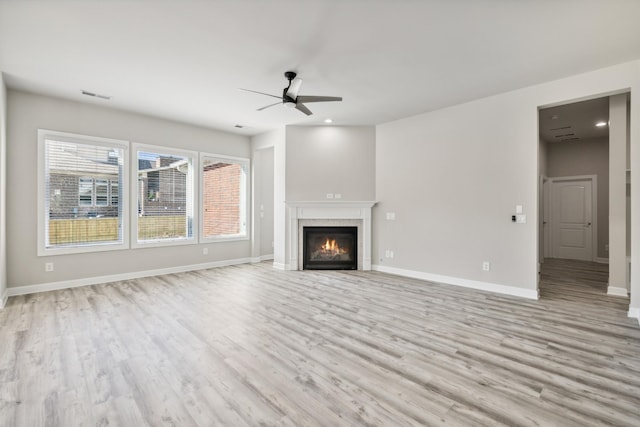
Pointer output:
546, 235
572, 219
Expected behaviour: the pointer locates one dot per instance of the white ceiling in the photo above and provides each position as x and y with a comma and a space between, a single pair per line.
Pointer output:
388, 59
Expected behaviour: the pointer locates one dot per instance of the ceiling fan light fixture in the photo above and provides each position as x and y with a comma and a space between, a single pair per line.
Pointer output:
290, 104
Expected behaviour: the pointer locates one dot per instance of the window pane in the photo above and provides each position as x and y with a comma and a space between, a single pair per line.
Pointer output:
76, 177
85, 192
115, 193
224, 197
102, 192
165, 196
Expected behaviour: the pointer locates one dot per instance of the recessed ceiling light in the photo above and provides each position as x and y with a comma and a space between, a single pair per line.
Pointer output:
328, 120
601, 124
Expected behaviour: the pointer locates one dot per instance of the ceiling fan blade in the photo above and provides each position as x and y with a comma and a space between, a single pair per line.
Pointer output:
301, 107
270, 105
261, 93
318, 98
294, 88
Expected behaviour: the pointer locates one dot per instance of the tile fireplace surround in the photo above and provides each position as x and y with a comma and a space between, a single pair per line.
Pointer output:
325, 213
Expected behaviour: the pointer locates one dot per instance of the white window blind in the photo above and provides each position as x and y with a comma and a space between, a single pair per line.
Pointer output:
224, 197
165, 196
76, 172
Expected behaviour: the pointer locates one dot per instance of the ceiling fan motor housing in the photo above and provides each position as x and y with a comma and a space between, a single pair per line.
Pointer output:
286, 99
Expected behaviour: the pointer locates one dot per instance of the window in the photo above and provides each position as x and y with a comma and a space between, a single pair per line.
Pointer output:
114, 191
85, 192
102, 192
164, 186
73, 193
224, 197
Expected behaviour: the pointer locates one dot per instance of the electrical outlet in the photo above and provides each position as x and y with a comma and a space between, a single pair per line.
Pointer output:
329, 195
337, 196
48, 267
205, 251
486, 266
391, 216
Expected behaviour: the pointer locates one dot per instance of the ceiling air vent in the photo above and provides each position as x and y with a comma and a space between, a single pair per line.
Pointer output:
95, 95
562, 128
239, 126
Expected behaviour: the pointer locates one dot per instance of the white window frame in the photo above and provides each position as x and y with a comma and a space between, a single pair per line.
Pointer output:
244, 194
193, 155
43, 205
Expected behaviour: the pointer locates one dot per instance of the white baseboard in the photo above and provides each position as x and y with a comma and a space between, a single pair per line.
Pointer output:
634, 313
261, 258
602, 260
54, 286
456, 281
617, 292
3, 298
279, 266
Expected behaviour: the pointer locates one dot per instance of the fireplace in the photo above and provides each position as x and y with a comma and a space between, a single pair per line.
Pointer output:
325, 214
330, 248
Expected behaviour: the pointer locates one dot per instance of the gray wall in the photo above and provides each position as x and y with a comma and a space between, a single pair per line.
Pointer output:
27, 113
263, 197
3, 189
454, 176
330, 159
586, 157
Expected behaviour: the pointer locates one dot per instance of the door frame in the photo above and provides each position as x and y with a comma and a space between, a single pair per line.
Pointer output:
594, 210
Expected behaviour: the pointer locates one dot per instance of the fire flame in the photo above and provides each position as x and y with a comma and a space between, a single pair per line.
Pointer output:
332, 247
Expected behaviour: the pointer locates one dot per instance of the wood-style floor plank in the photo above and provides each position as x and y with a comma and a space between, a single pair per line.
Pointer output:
249, 345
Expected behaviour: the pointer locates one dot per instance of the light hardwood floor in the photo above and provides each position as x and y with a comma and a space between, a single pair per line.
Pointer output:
250, 345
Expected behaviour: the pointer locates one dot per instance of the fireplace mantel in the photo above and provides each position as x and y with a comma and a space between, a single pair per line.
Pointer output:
331, 211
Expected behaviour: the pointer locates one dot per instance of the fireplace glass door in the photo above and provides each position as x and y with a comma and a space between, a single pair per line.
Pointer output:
330, 248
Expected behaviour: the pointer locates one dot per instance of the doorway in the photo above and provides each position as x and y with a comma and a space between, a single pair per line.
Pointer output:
582, 156
574, 193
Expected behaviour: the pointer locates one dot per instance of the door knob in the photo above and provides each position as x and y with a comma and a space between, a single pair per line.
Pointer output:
588, 224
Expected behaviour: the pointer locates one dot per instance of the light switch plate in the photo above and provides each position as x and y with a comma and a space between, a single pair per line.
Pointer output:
521, 219
518, 209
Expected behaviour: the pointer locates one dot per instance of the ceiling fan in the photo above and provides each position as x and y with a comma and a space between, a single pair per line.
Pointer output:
290, 96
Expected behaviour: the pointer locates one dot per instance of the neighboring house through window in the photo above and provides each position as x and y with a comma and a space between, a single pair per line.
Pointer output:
76, 212
165, 196
224, 197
